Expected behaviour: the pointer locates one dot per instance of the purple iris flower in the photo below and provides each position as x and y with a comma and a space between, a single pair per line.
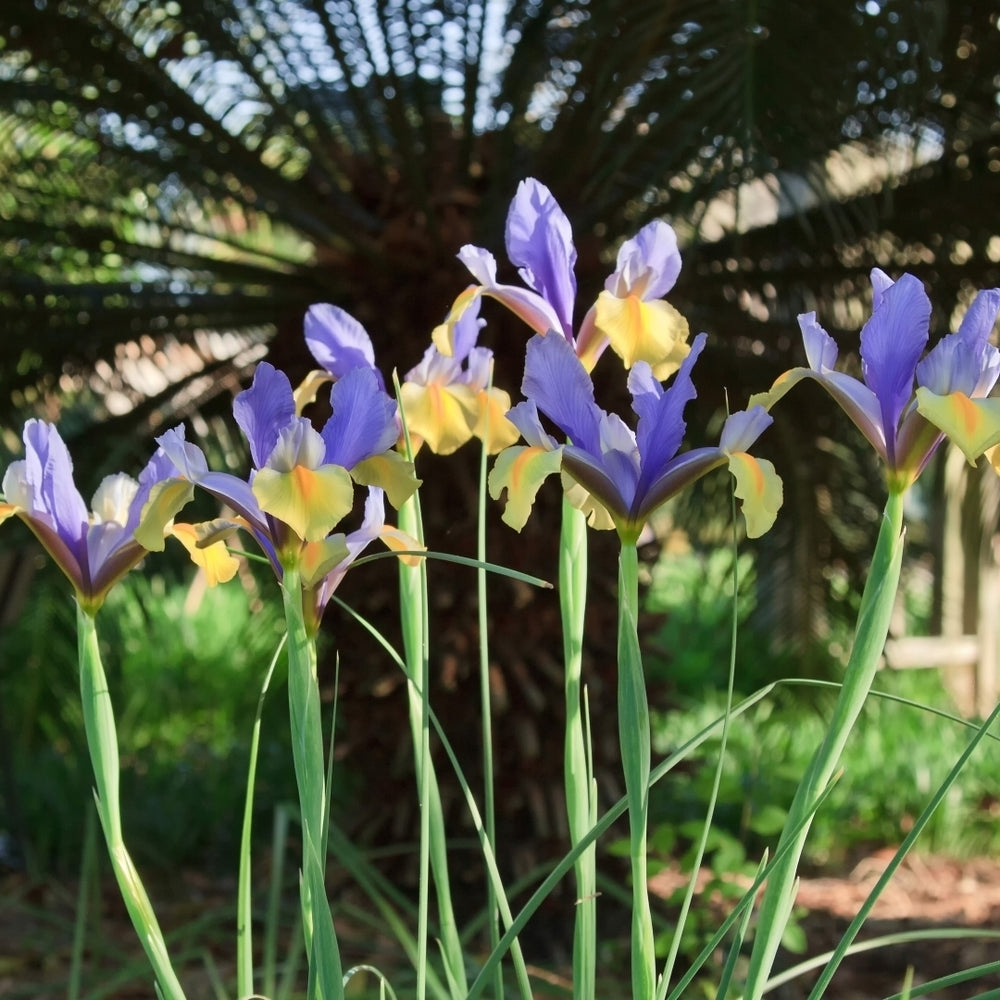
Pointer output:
906, 403
626, 473
302, 483
94, 548
630, 315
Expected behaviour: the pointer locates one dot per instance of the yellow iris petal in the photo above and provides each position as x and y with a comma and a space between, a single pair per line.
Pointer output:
638, 330
973, 424
390, 471
521, 471
8, 510
310, 501
396, 540
443, 335
317, 558
218, 563
759, 487
442, 415
493, 406
308, 388
583, 500
166, 498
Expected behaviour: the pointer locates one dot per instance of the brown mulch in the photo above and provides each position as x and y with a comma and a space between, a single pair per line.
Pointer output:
925, 893
36, 927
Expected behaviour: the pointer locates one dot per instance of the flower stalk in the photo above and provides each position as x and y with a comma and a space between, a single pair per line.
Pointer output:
102, 743
869, 641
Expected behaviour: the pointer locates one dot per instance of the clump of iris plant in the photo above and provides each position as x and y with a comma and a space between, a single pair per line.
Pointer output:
905, 404
95, 549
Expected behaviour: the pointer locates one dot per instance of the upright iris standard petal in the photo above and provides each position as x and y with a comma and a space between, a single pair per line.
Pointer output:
557, 383
338, 342
892, 342
661, 426
540, 245
363, 422
263, 410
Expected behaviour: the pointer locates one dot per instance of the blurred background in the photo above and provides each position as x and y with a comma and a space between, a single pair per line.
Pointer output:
180, 180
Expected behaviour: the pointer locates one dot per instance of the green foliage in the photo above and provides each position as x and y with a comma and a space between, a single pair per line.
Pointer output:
185, 671
896, 756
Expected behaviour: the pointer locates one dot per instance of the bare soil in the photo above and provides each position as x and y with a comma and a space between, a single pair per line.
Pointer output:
37, 923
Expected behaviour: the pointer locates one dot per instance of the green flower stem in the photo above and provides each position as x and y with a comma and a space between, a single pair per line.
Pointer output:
102, 742
869, 641
581, 794
486, 703
633, 735
433, 842
325, 971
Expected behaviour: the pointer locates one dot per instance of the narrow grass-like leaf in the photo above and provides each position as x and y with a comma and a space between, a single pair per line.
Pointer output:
244, 900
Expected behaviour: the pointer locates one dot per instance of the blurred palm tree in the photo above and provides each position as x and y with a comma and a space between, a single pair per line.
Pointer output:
180, 179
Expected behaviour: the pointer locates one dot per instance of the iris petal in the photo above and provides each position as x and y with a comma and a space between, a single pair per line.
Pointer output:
558, 384
892, 342
263, 410
363, 422
338, 341
540, 244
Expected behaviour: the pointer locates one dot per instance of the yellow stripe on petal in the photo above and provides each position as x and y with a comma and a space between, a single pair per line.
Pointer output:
8, 510
217, 562
312, 502
521, 471
391, 472
638, 330
973, 424
759, 487
442, 415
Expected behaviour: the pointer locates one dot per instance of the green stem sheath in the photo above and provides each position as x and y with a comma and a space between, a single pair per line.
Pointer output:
634, 739
581, 805
325, 971
869, 641
433, 842
102, 743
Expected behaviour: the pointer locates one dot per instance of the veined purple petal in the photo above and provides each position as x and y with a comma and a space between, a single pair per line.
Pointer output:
661, 413
742, 428
881, 282
558, 383
466, 331
540, 244
363, 423
338, 341
525, 418
264, 409
891, 344
647, 264
821, 348
966, 361
49, 477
